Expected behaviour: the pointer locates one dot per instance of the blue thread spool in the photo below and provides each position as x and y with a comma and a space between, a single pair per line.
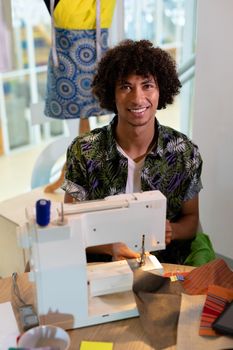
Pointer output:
43, 212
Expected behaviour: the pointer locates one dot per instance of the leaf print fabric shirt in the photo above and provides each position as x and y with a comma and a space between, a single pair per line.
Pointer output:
95, 168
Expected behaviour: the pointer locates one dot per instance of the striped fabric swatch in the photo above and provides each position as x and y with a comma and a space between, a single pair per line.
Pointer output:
215, 272
216, 300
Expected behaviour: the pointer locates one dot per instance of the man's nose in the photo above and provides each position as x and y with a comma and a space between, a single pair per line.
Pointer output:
137, 95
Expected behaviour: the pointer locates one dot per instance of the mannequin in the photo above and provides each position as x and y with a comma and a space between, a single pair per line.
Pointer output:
84, 125
77, 42
79, 38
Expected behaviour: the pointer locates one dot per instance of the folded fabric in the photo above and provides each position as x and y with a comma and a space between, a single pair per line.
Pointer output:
215, 272
216, 300
158, 302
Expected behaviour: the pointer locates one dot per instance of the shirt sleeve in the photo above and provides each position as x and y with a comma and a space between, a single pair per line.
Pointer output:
75, 182
195, 169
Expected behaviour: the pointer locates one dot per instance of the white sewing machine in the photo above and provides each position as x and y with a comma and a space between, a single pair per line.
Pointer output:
69, 292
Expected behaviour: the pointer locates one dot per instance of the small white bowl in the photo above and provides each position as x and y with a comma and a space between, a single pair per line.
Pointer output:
45, 336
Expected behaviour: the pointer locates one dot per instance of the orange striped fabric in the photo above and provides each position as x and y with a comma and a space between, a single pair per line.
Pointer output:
216, 300
215, 272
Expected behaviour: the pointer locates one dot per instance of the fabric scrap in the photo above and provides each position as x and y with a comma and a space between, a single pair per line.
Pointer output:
188, 327
215, 272
216, 300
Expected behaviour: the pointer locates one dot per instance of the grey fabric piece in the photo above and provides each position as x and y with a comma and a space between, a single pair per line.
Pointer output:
158, 301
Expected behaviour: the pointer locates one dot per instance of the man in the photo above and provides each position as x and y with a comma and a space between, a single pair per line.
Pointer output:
134, 152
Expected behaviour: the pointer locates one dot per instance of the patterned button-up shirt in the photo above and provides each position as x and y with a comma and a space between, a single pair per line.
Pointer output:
96, 169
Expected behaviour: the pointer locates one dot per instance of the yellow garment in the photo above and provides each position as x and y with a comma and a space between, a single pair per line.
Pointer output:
81, 14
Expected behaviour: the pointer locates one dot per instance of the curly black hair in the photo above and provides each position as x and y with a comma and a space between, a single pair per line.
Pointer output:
135, 57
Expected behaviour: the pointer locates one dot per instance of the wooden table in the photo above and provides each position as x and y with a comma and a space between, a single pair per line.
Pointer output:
126, 334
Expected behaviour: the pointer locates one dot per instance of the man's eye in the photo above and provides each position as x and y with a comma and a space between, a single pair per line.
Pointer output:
125, 87
149, 86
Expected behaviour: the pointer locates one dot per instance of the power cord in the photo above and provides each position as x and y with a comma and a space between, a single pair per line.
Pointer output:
15, 291
27, 314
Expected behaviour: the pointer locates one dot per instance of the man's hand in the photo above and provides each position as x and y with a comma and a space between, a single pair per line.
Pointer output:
168, 234
120, 251
186, 226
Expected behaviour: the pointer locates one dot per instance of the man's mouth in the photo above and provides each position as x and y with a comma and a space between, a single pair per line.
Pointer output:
138, 110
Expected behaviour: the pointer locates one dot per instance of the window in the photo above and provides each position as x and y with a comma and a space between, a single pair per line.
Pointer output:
169, 24
24, 82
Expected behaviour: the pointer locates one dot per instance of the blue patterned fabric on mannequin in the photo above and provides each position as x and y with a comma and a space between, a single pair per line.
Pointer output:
69, 92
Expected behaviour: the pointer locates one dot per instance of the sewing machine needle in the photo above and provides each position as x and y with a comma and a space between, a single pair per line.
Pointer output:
62, 213
142, 257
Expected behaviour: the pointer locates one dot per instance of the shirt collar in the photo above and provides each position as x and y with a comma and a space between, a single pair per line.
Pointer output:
111, 141
157, 150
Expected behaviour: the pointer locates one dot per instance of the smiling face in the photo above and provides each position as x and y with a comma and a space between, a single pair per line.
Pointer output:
136, 100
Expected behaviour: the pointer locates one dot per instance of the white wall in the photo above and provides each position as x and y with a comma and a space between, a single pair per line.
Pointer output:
213, 119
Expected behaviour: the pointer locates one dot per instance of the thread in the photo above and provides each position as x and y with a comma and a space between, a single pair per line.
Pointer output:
43, 212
